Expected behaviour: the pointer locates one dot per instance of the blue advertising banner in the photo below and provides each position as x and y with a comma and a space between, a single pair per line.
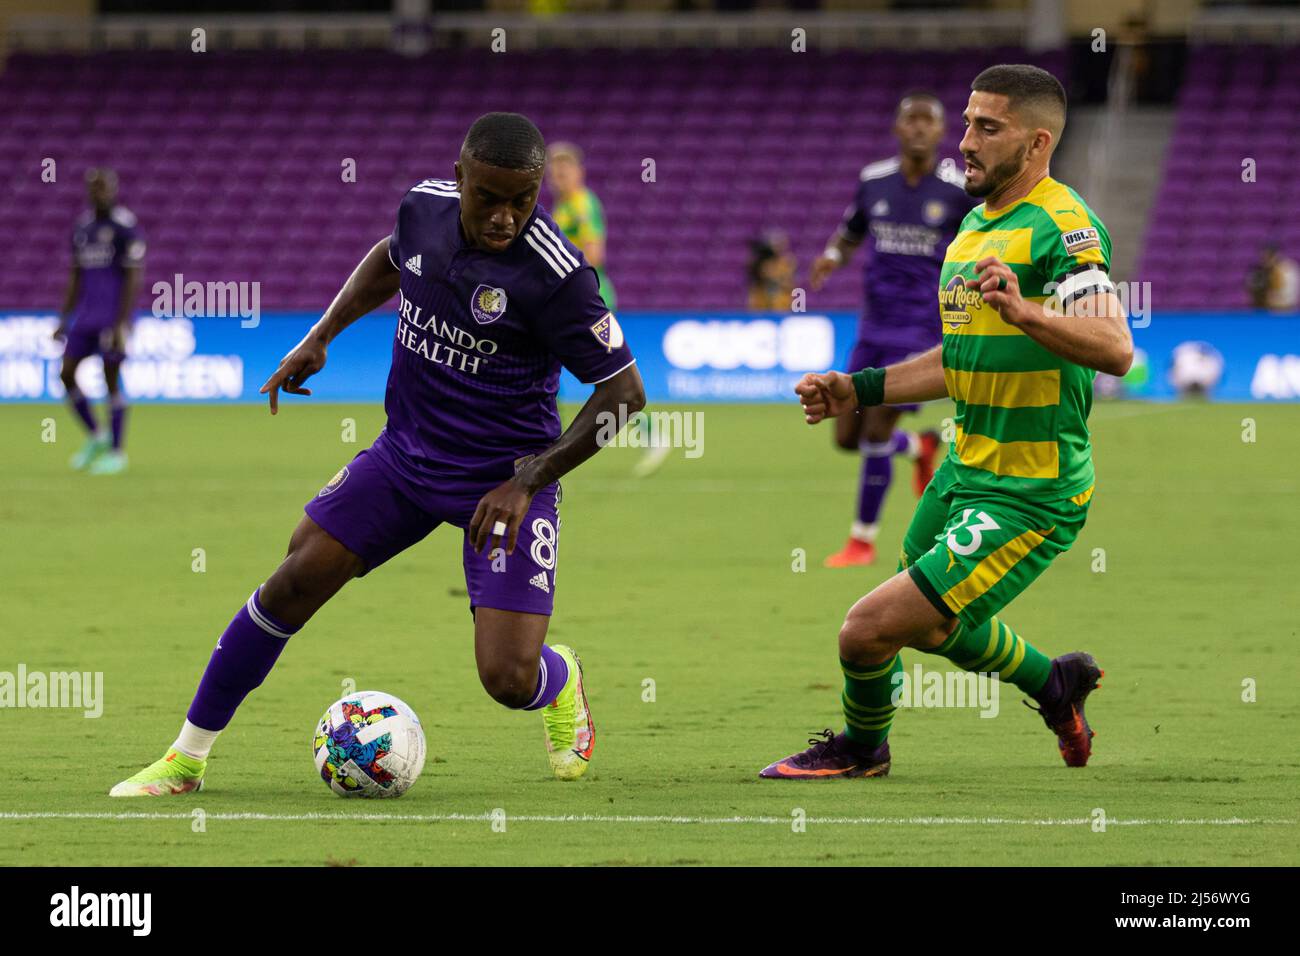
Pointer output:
683, 357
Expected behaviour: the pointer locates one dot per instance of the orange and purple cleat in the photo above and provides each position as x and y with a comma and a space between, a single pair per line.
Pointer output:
924, 470
855, 552
1073, 678
831, 755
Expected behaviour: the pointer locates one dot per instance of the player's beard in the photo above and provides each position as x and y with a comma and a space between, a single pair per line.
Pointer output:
998, 176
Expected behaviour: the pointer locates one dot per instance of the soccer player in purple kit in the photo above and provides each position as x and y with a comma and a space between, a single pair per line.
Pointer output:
493, 300
910, 206
107, 263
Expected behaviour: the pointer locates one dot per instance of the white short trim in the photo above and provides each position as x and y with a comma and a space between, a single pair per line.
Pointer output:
611, 374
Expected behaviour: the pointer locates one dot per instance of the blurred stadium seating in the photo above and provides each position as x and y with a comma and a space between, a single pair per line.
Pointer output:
1208, 224
233, 161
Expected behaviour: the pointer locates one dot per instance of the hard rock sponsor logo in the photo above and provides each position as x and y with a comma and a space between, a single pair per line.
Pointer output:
956, 301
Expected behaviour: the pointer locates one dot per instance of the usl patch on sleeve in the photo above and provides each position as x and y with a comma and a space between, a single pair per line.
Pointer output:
1080, 240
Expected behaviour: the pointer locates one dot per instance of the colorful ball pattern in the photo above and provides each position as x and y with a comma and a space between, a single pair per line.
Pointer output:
369, 744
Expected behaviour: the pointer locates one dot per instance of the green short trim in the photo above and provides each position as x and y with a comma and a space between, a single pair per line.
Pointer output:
931, 595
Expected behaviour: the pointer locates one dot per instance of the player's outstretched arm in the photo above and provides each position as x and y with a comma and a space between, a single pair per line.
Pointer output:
1096, 334
829, 394
615, 399
371, 284
839, 250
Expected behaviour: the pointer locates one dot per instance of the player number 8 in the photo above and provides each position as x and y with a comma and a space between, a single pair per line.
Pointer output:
543, 546
976, 530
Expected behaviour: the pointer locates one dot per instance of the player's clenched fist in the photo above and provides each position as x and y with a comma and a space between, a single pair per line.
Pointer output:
999, 287
826, 395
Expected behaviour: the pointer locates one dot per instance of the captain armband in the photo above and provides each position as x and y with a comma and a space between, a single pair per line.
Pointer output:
1084, 281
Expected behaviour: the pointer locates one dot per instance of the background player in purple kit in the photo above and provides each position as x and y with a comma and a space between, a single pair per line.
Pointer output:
107, 263
910, 207
493, 299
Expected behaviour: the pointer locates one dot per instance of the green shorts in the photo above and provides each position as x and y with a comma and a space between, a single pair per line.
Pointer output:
972, 552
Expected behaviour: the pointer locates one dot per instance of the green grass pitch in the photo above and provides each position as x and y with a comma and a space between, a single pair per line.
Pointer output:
686, 580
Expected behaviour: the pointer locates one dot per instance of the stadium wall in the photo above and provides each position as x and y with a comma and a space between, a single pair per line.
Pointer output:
683, 357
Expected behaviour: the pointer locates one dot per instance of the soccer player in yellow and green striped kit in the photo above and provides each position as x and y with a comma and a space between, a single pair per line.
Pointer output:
1029, 315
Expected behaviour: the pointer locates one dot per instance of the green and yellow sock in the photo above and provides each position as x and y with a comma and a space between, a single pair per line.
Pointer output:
868, 708
995, 647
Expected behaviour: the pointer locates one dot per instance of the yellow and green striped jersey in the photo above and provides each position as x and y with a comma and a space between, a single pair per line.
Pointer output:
581, 218
1022, 411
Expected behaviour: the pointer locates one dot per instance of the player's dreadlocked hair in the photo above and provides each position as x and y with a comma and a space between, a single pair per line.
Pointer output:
508, 140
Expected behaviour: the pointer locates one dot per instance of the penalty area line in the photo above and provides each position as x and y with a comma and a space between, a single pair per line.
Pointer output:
396, 818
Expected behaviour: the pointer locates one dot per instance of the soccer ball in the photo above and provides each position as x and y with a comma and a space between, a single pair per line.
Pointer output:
369, 744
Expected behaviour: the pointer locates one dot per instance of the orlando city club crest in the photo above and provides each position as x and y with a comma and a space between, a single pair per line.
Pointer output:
934, 211
334, 482
488, 303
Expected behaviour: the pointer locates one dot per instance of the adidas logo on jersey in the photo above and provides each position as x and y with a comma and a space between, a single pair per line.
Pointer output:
413, 265
539, 581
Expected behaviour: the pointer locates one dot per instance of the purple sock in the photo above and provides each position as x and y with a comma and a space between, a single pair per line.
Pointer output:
552, 675
243, 657
82, 408
877, 472
117, 407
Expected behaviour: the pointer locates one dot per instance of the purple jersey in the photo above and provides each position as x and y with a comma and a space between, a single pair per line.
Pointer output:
104, 247
908, 230
481, 338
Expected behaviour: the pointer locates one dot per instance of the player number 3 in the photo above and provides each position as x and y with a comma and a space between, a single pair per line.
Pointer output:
985, 523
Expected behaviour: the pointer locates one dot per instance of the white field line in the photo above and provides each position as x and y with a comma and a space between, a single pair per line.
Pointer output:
397, 818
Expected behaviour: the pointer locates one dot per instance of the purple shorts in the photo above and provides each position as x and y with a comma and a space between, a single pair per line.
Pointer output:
84, 342
377, 511
867, 354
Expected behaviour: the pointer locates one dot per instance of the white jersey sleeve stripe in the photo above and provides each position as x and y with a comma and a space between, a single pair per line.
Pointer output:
544, 254
555, 243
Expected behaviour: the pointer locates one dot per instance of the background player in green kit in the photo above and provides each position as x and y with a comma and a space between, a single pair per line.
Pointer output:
577, 211
581, 217
1028, 313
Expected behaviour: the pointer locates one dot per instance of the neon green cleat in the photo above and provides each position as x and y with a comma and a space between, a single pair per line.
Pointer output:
174, 774
570, 734
111, 462
95, 446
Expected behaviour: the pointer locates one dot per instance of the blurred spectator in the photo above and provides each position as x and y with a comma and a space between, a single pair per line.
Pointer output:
1196, 369
577, 211
1275, 282
770, 272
